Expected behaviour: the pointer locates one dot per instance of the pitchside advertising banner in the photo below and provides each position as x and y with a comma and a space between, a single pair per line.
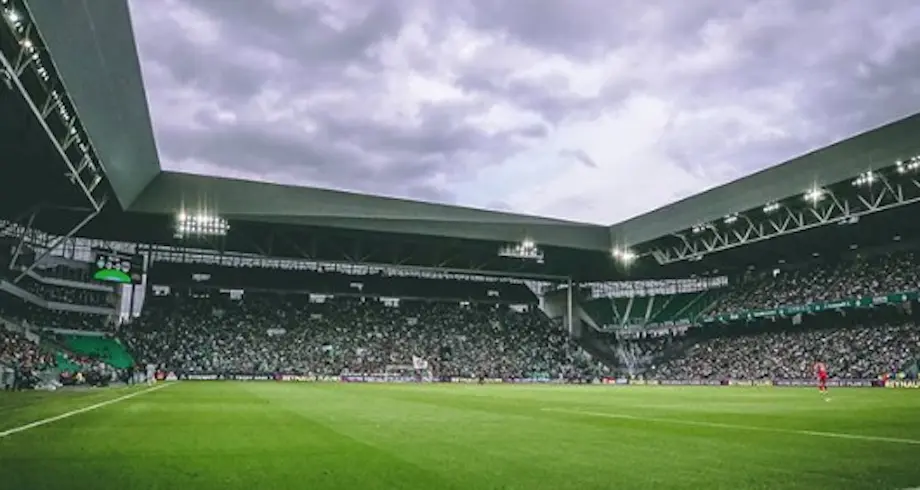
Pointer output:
902, 383
383, 378
344, 378
839, 383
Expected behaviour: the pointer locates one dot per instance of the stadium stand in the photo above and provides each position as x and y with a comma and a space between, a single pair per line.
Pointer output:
860, 276
860, 350
292, 333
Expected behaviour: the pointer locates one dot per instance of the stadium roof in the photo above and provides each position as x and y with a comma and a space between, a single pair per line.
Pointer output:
92, 45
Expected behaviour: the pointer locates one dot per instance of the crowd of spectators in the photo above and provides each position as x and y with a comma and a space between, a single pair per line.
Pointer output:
38, 317
860, 277
287, 333
68, 294
17, 350
26, 364
852, 348
21, 360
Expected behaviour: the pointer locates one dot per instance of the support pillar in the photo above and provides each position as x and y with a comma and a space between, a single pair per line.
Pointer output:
569, 317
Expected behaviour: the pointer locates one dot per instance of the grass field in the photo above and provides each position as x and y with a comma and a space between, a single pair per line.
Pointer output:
263, 435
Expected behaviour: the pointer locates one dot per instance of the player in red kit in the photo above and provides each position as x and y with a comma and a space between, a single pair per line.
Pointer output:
821, 374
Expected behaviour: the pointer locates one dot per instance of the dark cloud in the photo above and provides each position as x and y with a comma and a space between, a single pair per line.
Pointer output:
460, 102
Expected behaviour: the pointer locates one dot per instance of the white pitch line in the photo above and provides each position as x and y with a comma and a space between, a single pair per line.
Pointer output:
39, 423
717, 425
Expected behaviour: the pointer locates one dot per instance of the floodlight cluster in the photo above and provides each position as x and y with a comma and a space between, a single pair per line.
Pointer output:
201, 225
624, 255
911, 165
865, 178
815, 194
17, 21
526, 250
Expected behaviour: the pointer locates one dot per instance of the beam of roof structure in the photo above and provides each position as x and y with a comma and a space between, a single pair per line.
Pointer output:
846, 159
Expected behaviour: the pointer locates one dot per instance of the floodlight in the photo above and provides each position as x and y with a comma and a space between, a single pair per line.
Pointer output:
814, 195
13, 15
730, 219
911, 164
526, 250
771, 207
200, 225
624, 255
866, 178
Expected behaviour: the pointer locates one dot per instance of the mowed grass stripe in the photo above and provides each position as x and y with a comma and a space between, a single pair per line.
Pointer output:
717, 425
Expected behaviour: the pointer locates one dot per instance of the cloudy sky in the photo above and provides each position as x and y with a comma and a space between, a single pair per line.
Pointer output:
591, 110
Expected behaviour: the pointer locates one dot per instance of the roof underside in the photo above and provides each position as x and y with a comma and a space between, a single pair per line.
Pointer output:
841, 161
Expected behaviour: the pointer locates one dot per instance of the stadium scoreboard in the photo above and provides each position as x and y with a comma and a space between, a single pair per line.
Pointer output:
117, 267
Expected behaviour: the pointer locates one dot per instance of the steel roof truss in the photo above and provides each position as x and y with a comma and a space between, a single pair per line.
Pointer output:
836, 209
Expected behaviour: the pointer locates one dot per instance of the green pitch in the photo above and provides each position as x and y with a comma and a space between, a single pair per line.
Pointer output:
263, 435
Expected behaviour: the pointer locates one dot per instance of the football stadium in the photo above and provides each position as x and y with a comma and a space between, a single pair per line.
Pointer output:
163, 330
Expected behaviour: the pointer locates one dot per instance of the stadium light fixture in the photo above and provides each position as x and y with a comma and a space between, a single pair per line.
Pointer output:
624, 255
200, 225
771, 207
865, 178
911, 165
526, 250
730, 219
814, 195
699, 228
13, 16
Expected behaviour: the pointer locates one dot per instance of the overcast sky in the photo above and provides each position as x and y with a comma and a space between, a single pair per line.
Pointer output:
591, 110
